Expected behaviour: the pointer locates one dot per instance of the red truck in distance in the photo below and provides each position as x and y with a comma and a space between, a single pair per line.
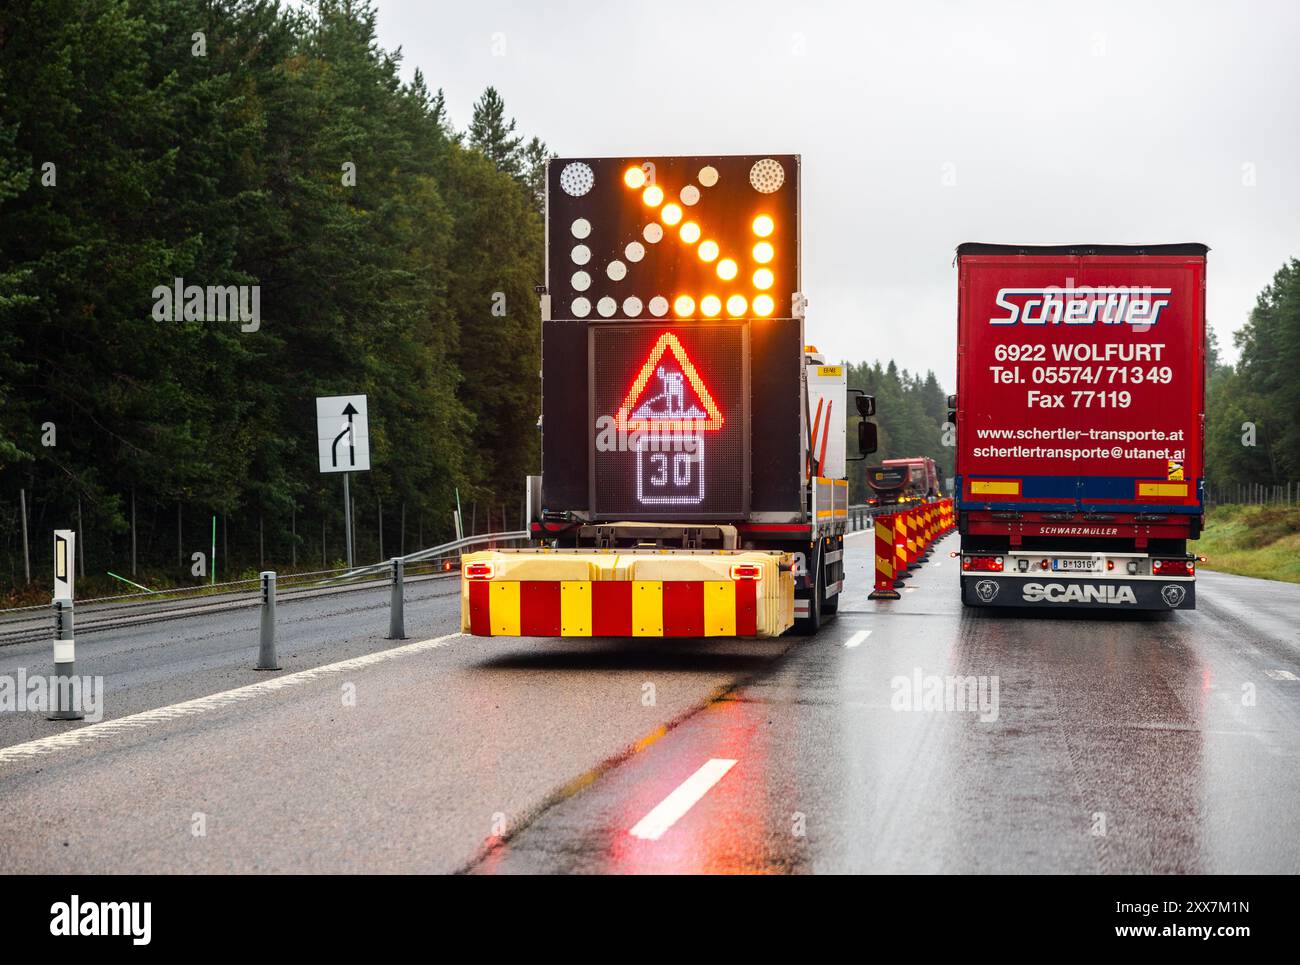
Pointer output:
910, 480
1080, 412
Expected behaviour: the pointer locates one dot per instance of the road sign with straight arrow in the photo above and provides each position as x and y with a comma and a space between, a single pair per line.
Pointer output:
343, 433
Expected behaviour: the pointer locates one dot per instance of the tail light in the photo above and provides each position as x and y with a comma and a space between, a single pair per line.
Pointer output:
1173, 567
479, 571
982, 564
746, 571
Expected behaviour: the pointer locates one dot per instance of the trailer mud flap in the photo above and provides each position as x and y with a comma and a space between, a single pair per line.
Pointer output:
1072, 593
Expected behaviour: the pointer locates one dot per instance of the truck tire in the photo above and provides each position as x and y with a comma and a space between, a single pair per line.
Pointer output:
830, 604
807, 626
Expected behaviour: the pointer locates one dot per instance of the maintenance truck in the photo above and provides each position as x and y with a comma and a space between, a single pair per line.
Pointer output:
694, 448
910, 480
1080, 411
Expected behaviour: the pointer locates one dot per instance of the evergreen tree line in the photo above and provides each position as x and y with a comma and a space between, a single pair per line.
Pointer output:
241, 143
911, 411
1252, 412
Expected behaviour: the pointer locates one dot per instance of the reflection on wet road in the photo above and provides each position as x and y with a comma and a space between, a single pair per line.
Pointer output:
907, 736
975, 741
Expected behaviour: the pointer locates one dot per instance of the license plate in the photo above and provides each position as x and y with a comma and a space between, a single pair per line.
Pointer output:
1085, 566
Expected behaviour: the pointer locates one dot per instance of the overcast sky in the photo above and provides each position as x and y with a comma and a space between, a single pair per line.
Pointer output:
921, 125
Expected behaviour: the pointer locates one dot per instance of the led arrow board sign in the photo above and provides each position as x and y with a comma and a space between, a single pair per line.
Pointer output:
673, 238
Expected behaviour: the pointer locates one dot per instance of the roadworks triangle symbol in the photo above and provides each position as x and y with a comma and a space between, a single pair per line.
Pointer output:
657, 400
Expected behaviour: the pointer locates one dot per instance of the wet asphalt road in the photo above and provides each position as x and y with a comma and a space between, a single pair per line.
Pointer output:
1162, 744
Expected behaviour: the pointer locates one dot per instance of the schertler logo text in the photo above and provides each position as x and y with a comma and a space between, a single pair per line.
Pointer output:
1074, 305
117, 918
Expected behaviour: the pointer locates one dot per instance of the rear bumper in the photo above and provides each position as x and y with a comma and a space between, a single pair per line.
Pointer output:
573, 593
1055, 591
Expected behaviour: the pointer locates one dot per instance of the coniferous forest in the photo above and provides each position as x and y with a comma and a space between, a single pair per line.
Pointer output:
358, 242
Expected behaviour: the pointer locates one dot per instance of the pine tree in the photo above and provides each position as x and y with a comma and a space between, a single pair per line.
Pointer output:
494, 136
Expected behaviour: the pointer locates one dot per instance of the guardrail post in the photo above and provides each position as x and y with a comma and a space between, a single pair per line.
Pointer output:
65, 665
267, 659
396, 616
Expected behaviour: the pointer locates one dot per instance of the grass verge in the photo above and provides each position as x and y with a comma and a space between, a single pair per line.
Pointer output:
1262, 541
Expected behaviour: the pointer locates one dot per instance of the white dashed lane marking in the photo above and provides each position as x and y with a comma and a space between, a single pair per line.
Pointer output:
670, 810
857, 639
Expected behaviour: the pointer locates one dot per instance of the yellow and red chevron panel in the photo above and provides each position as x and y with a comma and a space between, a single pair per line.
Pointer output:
613, 608
610, 593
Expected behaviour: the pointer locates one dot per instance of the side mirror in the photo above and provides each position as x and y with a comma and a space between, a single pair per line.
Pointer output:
867, 441
866, 405
952, 402
952, 416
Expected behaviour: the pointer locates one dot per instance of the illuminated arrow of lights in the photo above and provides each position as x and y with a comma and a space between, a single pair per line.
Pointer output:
725, 298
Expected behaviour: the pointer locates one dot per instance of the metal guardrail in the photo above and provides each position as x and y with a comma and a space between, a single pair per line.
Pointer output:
446, 550
860, 516
25, 624
29, 623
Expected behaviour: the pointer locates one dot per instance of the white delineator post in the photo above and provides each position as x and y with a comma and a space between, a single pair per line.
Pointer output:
62, 705
396, 614
267, 658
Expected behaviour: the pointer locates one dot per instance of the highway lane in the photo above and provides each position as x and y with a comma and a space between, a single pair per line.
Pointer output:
156, 664
1166, 744
411, 764
1118, 745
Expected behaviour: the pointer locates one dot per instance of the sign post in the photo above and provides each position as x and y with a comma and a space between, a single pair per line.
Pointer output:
343, 445
62, 705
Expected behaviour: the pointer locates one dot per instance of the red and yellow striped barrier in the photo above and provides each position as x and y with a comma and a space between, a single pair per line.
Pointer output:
613, 608
900, 546
611, 593
903, 541
885, 559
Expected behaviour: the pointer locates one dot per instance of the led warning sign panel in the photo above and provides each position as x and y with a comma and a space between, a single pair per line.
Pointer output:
705, 237
670, 420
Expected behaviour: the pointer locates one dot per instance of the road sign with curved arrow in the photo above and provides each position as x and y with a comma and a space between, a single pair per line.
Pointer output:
343, 433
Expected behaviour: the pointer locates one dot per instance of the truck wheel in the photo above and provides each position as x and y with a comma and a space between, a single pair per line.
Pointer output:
807, 626
831, 604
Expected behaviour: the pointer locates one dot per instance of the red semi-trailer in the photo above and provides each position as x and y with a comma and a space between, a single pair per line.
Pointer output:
1080, 424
